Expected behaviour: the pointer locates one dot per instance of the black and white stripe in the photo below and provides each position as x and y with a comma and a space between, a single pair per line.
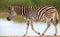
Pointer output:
31, 13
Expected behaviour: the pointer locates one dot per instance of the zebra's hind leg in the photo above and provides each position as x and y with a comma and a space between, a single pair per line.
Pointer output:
34, 29
27, 28
55, 22
48, 25
55, 30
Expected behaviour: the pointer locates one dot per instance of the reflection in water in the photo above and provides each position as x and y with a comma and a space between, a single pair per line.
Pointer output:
12, 28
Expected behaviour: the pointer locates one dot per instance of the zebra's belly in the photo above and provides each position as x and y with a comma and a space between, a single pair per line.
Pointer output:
33, 18
36, 19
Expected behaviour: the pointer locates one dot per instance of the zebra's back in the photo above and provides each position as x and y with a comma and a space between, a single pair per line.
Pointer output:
41, 13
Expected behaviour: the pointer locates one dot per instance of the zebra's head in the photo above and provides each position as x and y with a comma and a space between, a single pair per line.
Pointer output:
11, 13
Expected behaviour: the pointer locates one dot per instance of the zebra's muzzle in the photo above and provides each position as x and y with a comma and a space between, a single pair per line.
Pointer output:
8, 19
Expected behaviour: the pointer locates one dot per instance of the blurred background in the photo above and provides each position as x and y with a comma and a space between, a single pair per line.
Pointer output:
18, 26
4, 4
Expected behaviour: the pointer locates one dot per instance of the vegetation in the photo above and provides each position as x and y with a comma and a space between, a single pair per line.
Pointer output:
4, 4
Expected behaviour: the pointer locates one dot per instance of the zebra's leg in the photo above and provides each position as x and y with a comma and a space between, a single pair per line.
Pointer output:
33, 28
55, 30
55, 25
48, 25
27, 28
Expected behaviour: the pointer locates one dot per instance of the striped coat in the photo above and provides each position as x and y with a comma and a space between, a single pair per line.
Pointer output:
32, 13
35, 13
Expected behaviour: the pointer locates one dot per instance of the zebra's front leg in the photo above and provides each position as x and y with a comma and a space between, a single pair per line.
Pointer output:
26, 28
34, 29
48, 25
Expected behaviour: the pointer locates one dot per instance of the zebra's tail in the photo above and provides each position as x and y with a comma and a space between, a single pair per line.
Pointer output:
56, 17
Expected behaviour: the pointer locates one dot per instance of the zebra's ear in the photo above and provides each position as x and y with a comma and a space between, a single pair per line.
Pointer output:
9, 8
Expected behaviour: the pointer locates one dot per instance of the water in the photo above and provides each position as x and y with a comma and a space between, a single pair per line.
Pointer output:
11, 28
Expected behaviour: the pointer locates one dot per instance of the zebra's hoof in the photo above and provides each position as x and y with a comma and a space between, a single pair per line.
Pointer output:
39, 33
54, 34
24, 35
42, 34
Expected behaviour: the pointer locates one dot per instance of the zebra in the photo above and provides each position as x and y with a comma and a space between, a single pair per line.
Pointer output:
34, 13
